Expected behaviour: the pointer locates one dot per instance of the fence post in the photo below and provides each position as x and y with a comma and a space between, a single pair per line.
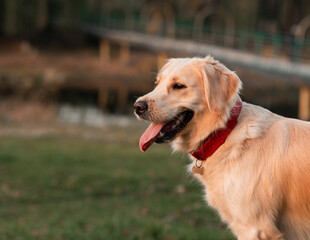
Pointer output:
123, 98
124, 53
304, 96
104, 50
161, 59
103, 97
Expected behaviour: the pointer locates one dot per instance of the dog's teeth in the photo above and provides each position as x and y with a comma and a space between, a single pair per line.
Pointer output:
178, 122
161, 134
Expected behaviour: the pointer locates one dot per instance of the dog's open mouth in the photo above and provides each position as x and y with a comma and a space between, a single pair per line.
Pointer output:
166, 131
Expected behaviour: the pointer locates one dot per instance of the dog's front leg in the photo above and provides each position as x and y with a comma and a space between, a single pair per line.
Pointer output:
246, 232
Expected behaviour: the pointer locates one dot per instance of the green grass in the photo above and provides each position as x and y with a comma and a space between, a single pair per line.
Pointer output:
78, 189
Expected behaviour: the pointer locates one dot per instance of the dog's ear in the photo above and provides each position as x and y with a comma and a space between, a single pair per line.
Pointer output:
219, 84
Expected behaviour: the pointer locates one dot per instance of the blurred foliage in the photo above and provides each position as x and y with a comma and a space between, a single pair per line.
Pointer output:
26, 17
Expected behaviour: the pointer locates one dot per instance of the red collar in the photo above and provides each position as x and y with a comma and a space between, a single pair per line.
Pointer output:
218, 137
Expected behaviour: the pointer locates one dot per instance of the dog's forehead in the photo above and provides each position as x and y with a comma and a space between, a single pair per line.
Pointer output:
182, 69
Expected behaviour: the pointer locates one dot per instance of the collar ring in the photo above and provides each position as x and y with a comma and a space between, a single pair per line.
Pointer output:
198, 165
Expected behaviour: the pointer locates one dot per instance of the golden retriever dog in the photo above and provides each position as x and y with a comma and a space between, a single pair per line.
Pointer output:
257, 176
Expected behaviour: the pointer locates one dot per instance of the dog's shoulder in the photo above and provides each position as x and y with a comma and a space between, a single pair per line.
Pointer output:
254, 121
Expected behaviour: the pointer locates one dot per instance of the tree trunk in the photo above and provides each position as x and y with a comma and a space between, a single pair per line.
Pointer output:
10, 17
42, 14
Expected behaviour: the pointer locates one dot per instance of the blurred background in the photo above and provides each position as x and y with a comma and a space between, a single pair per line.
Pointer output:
70, 71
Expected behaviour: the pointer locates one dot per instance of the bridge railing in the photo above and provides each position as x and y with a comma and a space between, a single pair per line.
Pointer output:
256, 42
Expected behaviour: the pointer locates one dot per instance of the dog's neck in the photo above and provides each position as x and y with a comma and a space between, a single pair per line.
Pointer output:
218, 137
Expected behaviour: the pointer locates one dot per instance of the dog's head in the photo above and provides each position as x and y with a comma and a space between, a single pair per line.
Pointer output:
192, 98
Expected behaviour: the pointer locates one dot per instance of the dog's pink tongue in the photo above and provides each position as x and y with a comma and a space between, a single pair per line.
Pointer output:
149, 136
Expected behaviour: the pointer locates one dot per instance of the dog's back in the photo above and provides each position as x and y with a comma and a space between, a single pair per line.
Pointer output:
274, 165
295, 162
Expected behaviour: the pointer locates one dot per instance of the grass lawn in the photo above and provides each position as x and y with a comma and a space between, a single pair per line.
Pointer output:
63, 188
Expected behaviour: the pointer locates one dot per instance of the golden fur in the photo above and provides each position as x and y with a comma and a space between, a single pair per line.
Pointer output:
259, 179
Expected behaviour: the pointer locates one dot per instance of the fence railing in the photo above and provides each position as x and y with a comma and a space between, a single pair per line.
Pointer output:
259, 43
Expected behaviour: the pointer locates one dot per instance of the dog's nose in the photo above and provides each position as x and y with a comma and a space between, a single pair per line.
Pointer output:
140, 107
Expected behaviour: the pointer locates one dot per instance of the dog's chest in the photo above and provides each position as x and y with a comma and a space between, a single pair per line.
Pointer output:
221, 190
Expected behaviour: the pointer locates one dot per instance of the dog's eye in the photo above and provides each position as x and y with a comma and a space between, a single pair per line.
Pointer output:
178, 86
